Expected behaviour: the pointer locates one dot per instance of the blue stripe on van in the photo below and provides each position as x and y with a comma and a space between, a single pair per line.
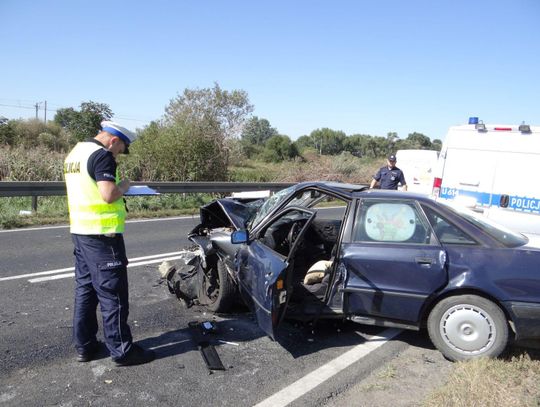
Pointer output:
517, 203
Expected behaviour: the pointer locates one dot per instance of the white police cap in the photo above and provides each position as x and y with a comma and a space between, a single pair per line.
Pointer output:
115, 129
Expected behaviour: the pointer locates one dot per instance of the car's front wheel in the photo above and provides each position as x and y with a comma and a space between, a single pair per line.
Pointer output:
219, 288
468, 326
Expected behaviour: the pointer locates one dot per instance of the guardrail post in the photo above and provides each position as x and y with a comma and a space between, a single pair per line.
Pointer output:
34, 203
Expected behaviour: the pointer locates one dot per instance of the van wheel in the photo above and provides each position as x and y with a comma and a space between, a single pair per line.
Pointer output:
468, 326
219, 288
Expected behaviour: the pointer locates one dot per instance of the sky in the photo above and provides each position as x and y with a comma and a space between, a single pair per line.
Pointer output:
359, 66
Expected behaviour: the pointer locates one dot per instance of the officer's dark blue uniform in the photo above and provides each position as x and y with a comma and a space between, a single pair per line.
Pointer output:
390, 176
97, 218
101, 276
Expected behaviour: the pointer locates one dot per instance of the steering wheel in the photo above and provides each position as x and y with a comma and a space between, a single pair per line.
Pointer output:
293, 234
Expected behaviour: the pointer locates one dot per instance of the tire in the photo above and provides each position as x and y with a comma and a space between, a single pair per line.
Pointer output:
219, 289
467, 327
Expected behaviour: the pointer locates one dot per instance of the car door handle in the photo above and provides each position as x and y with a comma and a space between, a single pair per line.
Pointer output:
424, 260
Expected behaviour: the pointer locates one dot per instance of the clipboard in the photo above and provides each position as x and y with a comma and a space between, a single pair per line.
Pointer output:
137, 190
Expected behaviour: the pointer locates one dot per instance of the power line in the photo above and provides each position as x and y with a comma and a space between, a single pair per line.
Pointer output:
19, 106
29, 105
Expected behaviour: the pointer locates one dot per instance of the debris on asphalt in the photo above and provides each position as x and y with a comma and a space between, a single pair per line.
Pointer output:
228, 343
210, 356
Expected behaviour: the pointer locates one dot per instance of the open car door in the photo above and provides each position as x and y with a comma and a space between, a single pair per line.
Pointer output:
264, 265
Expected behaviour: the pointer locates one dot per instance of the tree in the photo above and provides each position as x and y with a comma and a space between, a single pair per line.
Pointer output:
257, 131
279, 148
391, 139
211, 108
191, 142
305, 142
419, 141
328, 141
7, 133
86, 122
255, 134
436, 144
356, 144
177, 152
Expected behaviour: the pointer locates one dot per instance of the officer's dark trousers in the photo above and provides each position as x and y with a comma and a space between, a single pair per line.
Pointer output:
101, 277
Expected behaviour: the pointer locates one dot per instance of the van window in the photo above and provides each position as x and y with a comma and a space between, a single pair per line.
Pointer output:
394, 222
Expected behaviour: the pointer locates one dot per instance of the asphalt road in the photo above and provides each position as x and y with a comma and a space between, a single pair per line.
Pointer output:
307, 366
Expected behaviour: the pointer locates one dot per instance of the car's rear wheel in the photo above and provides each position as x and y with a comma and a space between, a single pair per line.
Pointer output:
468, 326
219, 288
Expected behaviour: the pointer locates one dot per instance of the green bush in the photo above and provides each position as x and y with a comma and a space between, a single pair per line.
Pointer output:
247, 174
30, 164
178, 152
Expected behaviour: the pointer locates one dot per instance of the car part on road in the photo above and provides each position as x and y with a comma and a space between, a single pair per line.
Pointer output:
468, 326
210, 356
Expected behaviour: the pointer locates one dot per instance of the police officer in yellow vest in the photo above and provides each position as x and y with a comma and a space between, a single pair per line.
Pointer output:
97, 214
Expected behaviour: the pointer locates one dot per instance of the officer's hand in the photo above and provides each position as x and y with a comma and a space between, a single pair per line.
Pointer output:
124, 185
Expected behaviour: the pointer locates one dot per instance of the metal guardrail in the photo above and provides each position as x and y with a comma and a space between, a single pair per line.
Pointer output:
58, 188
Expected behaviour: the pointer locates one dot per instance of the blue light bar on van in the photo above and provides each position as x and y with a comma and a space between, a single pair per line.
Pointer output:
473, 120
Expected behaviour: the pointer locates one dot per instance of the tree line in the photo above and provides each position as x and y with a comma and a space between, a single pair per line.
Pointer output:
201, 132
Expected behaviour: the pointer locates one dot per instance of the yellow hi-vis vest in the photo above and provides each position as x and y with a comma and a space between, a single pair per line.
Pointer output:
89, 214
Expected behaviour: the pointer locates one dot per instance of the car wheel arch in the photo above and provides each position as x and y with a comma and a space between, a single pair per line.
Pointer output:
430, 304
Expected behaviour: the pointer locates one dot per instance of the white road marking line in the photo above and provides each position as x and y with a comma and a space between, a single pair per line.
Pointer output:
325, 372
128, 221
44, 273
141, 263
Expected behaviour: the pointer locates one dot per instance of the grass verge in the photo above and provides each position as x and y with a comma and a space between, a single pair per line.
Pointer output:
513, 381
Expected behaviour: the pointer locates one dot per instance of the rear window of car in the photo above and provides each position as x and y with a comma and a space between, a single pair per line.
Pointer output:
506, 237
446, 232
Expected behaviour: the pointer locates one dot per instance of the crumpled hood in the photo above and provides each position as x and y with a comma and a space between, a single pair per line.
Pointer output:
224, 213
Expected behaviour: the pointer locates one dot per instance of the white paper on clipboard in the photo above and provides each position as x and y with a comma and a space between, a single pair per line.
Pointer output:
140, 190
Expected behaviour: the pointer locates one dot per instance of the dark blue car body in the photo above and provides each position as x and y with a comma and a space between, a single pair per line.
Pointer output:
396, 259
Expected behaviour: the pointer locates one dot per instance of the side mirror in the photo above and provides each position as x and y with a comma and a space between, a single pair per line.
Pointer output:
239, 236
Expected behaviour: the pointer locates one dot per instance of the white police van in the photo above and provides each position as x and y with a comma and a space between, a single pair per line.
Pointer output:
418, 167
493, 169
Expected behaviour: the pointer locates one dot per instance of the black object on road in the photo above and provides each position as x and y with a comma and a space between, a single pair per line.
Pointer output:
210, 356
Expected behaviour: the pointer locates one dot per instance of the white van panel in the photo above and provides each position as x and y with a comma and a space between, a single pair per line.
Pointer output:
494, 172
471, 181
418, 167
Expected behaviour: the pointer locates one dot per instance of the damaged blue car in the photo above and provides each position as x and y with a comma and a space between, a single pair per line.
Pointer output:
387, 258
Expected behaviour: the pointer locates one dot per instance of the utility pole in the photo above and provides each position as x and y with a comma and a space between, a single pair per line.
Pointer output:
45, 115
37, 108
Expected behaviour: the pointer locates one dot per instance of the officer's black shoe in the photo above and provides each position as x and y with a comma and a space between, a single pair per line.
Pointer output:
136, 356
88, 354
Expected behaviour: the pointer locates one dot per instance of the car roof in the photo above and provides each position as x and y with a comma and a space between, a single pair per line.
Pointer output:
384, 193
332, 186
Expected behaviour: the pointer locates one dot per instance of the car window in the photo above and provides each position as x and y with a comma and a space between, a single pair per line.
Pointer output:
272, 202
282, 231
498, 232
391, 222
307, 198
446, 232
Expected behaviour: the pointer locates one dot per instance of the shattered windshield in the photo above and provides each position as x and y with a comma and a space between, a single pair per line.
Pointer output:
267, 207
